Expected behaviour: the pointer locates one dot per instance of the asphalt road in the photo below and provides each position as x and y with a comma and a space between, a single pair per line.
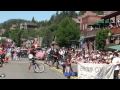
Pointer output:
19, 70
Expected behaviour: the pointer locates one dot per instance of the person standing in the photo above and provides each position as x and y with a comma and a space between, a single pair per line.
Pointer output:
8, 54
116, 62
15, 56
1, 56
56, 58
68, 67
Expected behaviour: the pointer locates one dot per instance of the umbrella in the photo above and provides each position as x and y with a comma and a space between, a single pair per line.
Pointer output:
115, 47
102, 22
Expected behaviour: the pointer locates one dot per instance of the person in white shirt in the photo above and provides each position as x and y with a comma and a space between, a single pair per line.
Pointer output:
118, 23
62, 53
116, 62
111, 26
48, 51
91, 28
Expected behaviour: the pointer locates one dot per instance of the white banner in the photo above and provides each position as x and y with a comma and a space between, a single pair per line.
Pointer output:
95, 71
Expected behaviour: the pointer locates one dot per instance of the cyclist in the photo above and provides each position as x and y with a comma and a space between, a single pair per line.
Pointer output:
36, 67
31, 55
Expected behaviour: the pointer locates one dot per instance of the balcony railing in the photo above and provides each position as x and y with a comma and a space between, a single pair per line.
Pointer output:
115, 30
90, 33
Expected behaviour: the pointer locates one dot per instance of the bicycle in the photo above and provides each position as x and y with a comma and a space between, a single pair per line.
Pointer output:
38, 68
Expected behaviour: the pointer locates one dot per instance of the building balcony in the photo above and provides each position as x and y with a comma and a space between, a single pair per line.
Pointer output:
115, 30
90, 33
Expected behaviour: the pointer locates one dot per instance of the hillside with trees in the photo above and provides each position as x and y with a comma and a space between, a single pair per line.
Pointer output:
60, 27
7, 24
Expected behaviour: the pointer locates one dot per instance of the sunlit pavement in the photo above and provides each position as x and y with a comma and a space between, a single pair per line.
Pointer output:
19, 70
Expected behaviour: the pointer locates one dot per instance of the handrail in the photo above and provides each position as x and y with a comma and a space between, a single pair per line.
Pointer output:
91, 33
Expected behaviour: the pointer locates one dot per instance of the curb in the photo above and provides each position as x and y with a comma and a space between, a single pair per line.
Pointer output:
60, 71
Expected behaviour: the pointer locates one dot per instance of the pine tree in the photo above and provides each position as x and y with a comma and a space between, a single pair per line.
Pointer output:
72, 14
33, 20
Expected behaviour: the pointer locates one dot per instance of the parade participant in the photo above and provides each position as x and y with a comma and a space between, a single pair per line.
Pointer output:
4, 53
47, 60
32, 53
12, 52
49, 56
62, 54
8, 54
15, 56
18, 53
116, 62
56, 58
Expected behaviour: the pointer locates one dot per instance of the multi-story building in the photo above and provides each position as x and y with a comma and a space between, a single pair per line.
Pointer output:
24, 26
86, 30
2, 31
27, 26
115, 35
90, 18
13, 27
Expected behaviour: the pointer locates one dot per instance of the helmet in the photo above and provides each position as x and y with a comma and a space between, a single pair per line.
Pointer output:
30, 56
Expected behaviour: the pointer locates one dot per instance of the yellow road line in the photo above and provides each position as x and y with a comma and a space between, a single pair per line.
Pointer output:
60, 71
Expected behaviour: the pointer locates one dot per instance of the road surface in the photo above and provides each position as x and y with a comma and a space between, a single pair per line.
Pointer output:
19, 70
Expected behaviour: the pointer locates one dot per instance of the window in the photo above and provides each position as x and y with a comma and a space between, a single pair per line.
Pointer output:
83, 27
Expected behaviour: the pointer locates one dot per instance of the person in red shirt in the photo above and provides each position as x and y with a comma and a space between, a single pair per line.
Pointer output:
2, 55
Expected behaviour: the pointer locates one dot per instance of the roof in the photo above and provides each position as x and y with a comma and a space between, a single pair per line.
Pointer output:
111, 15
89, 13
102, 22
29, 23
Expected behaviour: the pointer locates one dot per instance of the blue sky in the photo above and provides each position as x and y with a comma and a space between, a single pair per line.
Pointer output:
27, 15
